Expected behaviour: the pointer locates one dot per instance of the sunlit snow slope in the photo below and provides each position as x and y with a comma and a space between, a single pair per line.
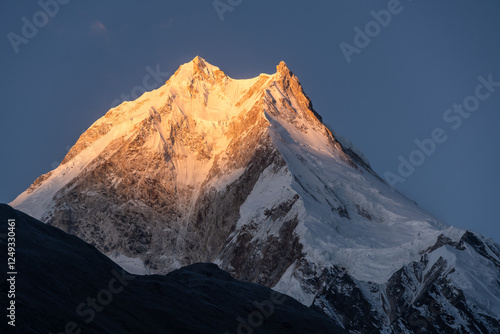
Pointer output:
243, 173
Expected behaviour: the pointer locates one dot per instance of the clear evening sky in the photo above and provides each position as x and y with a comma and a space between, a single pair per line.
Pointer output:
385, 74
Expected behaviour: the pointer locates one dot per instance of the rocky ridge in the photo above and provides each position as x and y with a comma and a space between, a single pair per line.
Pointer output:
243, 173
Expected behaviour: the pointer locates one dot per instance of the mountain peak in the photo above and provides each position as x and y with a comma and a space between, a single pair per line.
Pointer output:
200, 64
199, 68
282, 68
243, 173
198, 59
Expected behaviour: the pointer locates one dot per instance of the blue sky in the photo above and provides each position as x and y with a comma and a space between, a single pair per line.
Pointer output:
61, 77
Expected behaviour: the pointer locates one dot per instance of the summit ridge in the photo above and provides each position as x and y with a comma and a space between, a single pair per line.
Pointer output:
244, 173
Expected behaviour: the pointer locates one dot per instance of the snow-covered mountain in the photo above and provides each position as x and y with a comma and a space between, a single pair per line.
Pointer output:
65, 285
244, 173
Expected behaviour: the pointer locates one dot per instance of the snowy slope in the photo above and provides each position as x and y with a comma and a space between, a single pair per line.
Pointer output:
197, 299
244, 173
211, 111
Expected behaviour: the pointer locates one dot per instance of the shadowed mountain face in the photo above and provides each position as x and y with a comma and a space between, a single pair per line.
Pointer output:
64, 284
244, 174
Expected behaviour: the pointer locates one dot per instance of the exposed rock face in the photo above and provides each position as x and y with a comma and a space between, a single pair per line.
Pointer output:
58, 274
421, 297
243, 173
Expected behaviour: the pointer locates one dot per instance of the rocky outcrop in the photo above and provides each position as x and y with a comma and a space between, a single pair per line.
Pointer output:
64, 284
243, 173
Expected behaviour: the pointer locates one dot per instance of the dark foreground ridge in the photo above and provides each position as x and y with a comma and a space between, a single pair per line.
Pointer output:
64, 285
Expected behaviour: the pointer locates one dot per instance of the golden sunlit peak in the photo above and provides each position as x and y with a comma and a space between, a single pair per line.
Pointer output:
283, 68
199, 61
201, 67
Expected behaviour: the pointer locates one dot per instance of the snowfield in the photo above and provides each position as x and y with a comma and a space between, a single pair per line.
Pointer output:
243, 173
